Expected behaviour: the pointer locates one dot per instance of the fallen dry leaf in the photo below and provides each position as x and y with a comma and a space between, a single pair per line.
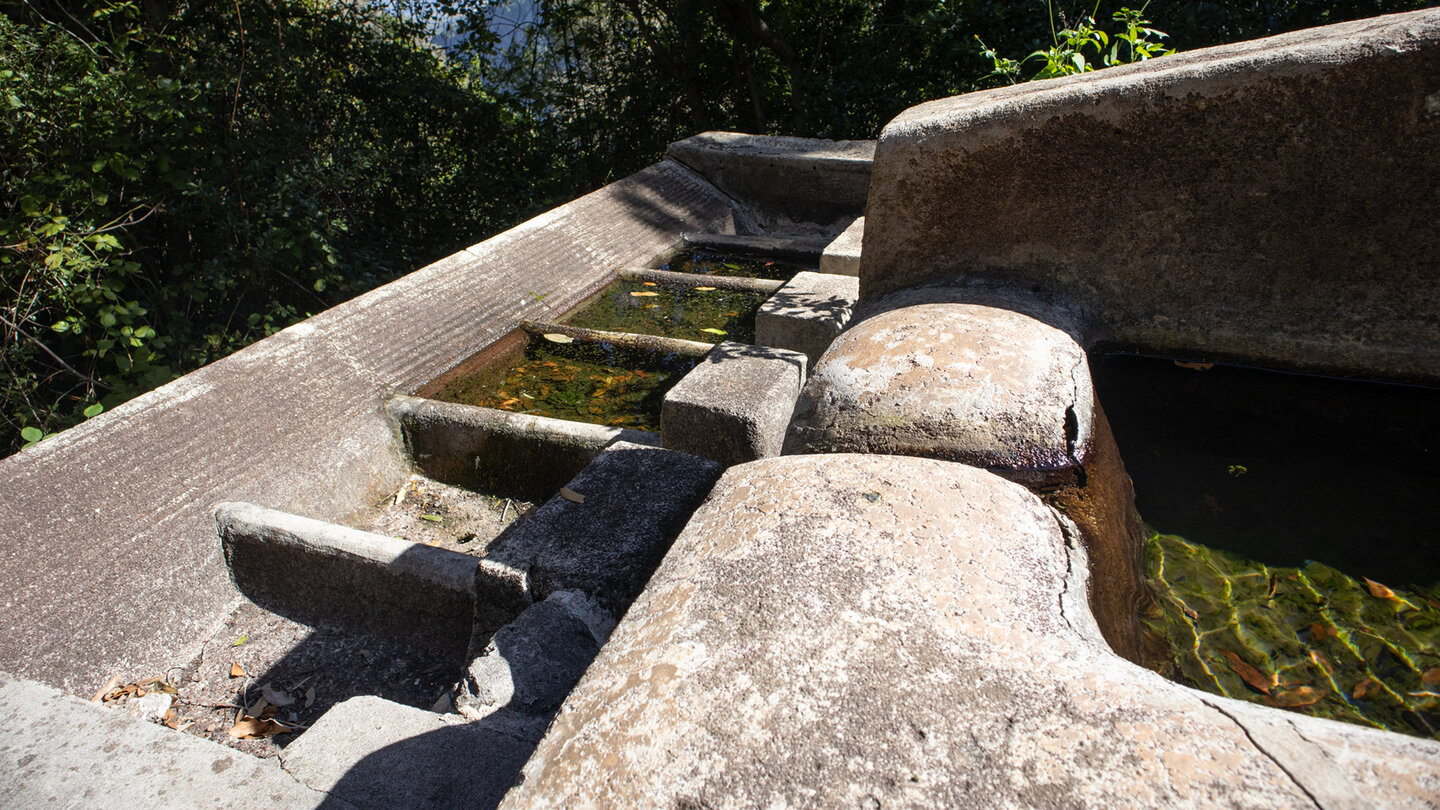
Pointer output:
1366, 688
309, 697
1377, 590
704, 289
275, 696
1298, 697
1250, 675
643, 294
257, 708
1431, 677
236, 671
106, 689
571, 495
250, 728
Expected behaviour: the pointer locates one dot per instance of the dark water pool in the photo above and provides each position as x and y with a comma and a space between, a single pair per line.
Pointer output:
1296, 559
693, 313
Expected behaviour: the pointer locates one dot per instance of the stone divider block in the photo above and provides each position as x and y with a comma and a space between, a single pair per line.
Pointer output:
501, 452
735, 406
996, 388
873, 631
842, 256
310, 571
807, 313
373, 753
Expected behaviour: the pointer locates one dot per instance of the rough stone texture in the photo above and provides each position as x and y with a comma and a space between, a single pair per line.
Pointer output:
863, 631
532, 663
807, 313
1271, 202
60, 751
637, 499
498, 451
294, 422
735, 406
313, 571
785, 248
842, 256
787, 184
371, 753
994, 388
963, 382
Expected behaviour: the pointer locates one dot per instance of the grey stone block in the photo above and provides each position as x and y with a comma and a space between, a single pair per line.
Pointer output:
787, 184
531, 664
807, 313
310, 571
879, 631
842, 256
735, 406
372, 753
636, 500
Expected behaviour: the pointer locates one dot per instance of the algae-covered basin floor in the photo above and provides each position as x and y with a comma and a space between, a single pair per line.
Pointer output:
583, 382
1297, 554
696, 313
705, 262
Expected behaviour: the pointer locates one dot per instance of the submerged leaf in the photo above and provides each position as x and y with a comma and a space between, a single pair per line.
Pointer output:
712, 330
1377, 590
643, 294
1250, 675
1298, 697
704, 289
1431, 677
556, 337
1366, 688
1195, 366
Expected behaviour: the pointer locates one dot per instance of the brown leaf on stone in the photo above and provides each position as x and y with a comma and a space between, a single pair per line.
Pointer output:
171, 718
106, 689
1379, 591
1431, 677
1250, 675
1298, 697
276, 697
571, 495
255, 709
250, 728
236, 671
1365, 689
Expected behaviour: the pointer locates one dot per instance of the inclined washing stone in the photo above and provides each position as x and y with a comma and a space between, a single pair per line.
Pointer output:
636, 499
735, 406
842, 256
531, 664
873, 631
807, 313
933, 373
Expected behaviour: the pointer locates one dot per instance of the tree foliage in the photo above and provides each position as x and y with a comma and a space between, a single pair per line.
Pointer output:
182, 177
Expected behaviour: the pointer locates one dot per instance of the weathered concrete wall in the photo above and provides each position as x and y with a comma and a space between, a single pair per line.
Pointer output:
872, 631
109, 560
794, 185
1271, 202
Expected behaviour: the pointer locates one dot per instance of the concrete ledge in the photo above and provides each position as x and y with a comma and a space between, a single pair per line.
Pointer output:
498, 451
807, 313
1270, 202
735, 406
785, 248
788, 184
60, 751
313, 571
842, 256
862, 631
371, 753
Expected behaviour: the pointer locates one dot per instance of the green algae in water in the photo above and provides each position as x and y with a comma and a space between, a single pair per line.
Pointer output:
676, 312
1323, 643
704, 262
583, 382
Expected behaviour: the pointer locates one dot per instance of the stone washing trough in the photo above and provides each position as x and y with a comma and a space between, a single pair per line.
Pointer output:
887, 554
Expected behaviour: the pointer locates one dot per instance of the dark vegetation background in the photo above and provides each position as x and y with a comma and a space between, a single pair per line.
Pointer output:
183, 178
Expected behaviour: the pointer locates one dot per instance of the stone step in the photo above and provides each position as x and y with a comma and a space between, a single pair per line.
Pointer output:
842, 256
372, 753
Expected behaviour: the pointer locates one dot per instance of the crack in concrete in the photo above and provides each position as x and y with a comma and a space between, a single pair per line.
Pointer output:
1249, 735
